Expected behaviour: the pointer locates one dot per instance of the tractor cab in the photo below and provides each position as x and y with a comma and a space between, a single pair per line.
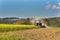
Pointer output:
38, 23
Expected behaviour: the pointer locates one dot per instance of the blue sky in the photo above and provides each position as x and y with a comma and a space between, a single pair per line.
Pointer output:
29, 8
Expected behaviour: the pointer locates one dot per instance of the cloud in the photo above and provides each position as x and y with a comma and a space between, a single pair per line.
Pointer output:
56, 7
59, 3
53, 7
48, 7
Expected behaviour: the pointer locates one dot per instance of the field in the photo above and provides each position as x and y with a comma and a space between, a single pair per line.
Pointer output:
28, 32
7, 29
14, 27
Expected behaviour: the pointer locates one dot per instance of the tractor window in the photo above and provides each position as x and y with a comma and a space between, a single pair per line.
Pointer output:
37, 22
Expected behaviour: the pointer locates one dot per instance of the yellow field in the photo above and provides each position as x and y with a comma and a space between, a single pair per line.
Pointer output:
12, 27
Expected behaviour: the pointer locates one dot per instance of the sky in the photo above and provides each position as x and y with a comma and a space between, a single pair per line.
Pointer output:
29, 8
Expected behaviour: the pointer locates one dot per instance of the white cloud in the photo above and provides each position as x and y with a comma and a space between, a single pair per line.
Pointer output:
59, 3
56, 7
48, 7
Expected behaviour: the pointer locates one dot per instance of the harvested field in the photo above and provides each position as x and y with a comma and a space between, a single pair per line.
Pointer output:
35, 34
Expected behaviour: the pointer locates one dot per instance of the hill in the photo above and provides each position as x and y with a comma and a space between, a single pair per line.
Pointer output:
14, 20
53, 22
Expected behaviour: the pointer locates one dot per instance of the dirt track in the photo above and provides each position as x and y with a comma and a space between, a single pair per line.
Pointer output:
39, 34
